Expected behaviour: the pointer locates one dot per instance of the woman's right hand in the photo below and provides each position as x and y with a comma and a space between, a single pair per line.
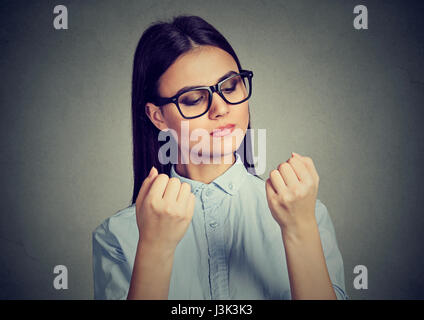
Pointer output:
164, 209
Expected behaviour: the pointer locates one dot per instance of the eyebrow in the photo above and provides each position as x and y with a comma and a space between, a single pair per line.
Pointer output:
229, 73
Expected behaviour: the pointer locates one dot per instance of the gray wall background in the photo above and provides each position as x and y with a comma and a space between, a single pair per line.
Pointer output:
349, 99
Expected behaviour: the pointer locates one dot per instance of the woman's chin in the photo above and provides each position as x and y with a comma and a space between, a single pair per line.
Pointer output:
213, 157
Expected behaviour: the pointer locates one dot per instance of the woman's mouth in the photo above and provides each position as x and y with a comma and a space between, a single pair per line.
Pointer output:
223, 131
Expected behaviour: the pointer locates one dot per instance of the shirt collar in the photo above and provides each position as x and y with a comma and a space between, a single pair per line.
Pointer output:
230, 181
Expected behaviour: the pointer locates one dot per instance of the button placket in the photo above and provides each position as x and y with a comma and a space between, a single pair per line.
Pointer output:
218, 272
208, 196
209, 209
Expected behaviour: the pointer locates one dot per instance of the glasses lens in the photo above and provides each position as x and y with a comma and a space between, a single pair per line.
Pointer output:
194, 103
236, 89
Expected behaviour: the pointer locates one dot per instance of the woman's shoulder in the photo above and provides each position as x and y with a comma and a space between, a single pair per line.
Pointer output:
253, 182
119, 223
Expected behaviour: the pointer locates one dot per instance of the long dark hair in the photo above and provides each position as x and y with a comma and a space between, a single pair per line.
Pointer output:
159, 46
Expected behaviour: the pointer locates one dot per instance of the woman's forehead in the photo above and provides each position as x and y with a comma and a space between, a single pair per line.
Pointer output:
202, 66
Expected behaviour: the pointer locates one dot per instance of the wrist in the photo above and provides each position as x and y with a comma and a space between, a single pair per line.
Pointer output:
155, 250
300, 234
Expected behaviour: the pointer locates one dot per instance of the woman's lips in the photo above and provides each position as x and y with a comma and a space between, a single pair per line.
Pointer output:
223, 131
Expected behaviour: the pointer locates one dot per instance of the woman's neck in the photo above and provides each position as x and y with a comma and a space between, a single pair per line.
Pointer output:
205, 173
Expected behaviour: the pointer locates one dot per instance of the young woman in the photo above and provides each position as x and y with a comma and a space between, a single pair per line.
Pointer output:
210, 230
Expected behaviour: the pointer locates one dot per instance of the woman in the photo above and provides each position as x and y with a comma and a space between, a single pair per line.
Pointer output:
210, 229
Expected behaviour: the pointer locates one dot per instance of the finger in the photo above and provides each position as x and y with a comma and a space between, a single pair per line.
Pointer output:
288, 174
145, 186
158, 187
172, 189
269, 189
300, 169
185, 190
277, 182
309, 164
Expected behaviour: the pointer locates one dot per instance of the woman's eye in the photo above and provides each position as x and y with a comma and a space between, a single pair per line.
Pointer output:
228, 90
230, 85
191, 102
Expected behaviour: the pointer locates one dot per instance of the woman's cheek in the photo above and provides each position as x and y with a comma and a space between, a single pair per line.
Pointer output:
245, 116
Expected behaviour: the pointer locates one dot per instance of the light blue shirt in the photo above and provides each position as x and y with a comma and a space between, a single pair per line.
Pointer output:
233, 248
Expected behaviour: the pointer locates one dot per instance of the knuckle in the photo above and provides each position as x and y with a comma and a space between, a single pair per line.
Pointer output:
309, 183
309, 160
274, 173
168, 210
280, 199
303, 191
280, 169
298, 193
183, 216
176, 214
288, 197
163, 176
185, 186
274, 201
181, 213
153, 205
147, 200
174, 180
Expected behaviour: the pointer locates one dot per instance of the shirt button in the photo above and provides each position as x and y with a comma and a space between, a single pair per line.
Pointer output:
230, 186
208, 193
213, 224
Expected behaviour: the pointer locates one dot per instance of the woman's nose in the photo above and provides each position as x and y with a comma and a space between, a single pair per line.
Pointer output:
218, 106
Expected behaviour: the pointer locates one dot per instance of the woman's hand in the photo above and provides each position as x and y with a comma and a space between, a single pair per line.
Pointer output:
164, 209
291, 193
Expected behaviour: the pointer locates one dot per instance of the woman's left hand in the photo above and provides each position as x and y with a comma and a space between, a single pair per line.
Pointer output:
291, 193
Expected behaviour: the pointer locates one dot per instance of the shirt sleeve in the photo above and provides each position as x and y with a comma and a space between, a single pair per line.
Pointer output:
332, 253
111, 271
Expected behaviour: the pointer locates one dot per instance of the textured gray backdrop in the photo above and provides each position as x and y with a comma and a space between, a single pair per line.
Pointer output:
349, 99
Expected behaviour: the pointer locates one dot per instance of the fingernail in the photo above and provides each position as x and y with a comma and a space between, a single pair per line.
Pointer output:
151, 172
292, 154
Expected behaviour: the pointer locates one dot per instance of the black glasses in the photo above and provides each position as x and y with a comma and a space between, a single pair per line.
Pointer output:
195, 102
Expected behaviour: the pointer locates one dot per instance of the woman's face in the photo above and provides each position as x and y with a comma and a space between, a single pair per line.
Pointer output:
202, 66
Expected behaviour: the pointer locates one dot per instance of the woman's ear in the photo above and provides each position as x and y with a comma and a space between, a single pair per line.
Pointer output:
155, 115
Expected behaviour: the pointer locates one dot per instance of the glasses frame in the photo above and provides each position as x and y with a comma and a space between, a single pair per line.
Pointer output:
159, 101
